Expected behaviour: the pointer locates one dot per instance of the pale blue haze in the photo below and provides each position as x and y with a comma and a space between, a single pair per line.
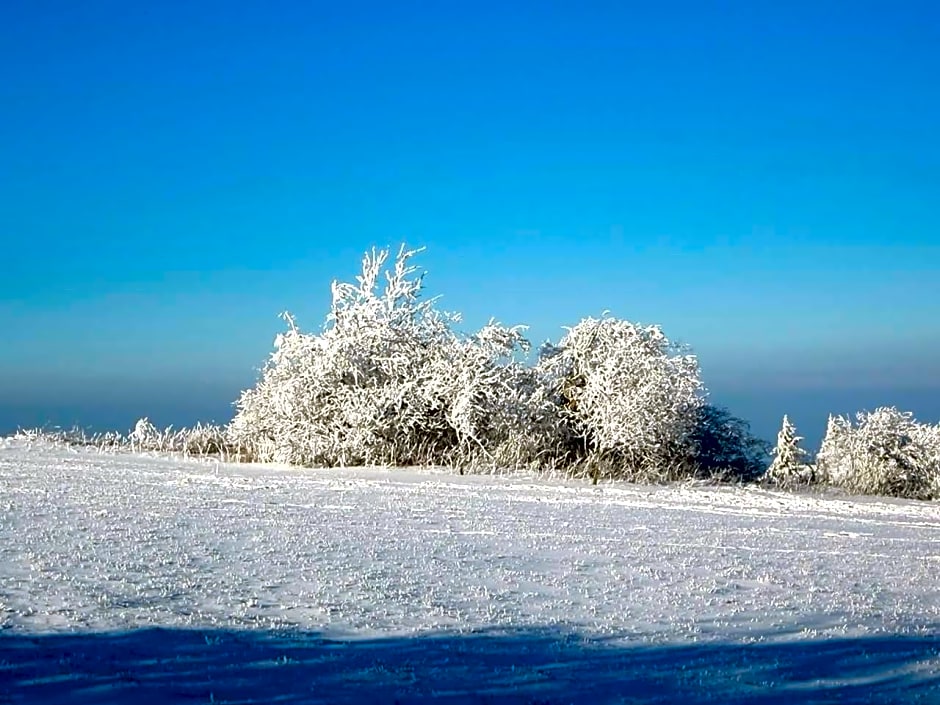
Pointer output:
762, 179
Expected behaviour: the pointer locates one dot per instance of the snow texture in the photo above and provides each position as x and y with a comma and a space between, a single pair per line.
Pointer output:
149, 579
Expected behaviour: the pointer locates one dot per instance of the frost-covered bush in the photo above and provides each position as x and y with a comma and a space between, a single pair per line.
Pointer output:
205, 440
628, 395
354, 393
390, 382
789, 467
927, 437
886, 453
145, 436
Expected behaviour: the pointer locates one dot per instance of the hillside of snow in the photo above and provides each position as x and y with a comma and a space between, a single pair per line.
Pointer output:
129, 578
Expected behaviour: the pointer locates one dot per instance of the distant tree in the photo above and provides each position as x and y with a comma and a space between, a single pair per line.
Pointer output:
789, 467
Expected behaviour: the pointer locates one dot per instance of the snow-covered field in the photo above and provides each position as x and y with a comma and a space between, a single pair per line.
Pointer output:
141, 579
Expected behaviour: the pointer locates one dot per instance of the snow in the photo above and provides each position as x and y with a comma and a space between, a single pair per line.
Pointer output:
154, 579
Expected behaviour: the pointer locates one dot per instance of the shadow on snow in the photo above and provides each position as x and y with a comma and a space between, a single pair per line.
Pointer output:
525, 666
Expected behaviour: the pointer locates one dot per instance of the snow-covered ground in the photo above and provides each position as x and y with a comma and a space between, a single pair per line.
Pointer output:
131, 578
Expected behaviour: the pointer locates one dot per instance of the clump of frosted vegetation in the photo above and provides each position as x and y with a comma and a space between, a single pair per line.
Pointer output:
789, 467
389, 380
72, 437
200, 440
629, 396
887, 452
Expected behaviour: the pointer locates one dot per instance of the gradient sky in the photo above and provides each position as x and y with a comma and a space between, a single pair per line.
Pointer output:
760, 178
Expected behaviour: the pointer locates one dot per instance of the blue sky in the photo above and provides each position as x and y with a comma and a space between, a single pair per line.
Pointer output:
760, 178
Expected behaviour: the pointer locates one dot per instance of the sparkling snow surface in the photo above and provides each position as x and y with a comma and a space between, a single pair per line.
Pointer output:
150, 579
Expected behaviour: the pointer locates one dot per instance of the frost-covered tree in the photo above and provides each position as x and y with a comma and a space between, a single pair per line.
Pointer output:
629, 395
789, 467
886, 453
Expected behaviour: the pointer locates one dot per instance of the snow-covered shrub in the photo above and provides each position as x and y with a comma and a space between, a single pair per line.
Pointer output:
789, 467
724, 447
354, 393
927, 436
145, 436
389, 381
205, 440
629, 395
886, 453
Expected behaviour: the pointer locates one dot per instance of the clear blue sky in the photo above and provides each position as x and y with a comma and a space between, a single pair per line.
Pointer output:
761, 178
